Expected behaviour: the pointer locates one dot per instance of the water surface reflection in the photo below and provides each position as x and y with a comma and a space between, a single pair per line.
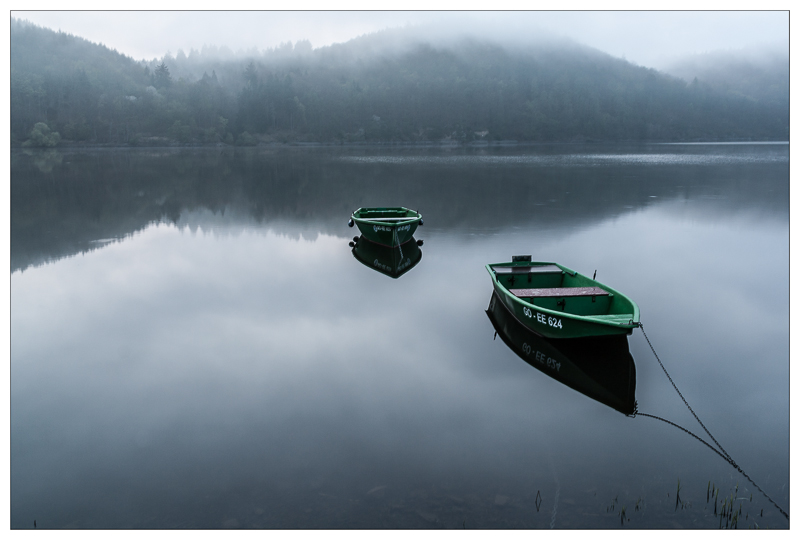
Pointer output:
391, 261
601, 368
86, 197
192, 345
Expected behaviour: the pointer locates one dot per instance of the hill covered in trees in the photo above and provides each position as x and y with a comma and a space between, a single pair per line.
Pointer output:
394, 86
760, 74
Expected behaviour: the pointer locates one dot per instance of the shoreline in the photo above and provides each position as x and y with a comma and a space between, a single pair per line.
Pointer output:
507, 143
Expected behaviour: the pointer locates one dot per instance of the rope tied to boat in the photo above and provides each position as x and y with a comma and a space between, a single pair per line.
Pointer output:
721, 452
726, 455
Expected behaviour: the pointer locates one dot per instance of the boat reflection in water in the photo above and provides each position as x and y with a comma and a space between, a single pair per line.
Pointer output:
599, 367
392, 261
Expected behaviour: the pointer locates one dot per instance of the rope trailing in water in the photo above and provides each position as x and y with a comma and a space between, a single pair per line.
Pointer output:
725, 454
721, 452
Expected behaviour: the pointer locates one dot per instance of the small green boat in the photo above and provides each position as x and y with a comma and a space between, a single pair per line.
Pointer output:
393, 262
556, 302
391, 226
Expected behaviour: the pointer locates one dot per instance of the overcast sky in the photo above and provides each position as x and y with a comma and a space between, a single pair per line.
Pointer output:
646, 38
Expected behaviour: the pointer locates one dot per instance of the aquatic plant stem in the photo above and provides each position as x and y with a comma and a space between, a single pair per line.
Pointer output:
558, 491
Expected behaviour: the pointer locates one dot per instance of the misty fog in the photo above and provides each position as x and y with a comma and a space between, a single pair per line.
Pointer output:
421, 83
196, 346
648, 38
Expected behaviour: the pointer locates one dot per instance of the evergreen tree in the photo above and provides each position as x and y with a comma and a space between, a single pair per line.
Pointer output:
161, 76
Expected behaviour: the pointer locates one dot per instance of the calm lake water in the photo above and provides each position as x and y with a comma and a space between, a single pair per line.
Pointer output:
194, 345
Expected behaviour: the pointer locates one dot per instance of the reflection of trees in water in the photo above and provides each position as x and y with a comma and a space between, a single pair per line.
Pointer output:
61, 202
46, 160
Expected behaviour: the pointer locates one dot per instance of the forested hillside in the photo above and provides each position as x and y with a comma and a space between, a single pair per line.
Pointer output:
760, 74
391, 86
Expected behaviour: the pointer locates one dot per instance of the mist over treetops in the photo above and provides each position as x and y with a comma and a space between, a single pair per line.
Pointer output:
395, 86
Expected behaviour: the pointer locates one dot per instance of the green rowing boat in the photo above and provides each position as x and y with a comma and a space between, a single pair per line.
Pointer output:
390, 226
556, 302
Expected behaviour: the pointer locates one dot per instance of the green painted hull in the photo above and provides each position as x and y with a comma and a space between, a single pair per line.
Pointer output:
601, 368
387, 226
393, 262
562, 317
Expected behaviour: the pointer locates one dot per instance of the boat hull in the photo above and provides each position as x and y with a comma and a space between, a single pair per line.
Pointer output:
387, 235
554, 324
600, 367
392, 232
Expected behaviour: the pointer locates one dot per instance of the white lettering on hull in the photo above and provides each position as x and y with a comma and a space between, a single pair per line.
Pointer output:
553, 322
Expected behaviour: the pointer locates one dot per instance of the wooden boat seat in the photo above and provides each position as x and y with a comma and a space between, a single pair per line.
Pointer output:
546, 269
389, 219
559, 292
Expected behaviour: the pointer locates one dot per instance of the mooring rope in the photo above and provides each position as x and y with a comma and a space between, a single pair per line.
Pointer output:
727, 456
397, 241
721, 452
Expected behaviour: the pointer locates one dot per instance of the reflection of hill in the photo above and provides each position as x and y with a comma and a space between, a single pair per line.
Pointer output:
65, 204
